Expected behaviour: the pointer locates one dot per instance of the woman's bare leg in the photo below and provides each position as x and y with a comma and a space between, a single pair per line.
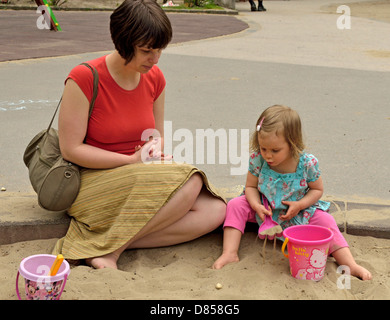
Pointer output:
206, 215
188, 215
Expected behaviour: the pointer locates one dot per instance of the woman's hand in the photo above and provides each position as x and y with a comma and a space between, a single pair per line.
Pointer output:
151, 151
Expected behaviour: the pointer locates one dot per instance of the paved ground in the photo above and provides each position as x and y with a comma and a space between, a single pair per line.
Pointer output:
293, 54
89, 32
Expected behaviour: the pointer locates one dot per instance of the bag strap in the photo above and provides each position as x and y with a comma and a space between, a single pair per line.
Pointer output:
95, 93
95, 87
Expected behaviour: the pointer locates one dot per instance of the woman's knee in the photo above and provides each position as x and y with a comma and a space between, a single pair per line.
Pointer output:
195, 182
189, 192
220, 209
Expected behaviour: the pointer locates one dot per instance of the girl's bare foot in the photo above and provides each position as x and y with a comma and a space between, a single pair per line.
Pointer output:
106, 261
360, 272
225, 259
344, 257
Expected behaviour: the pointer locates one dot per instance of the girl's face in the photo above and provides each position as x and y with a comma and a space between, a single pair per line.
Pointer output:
145, 58
275, 150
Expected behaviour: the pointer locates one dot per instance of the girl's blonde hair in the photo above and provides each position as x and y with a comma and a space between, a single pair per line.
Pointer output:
283, 121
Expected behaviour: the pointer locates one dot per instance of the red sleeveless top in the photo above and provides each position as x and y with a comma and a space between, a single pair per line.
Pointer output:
119, 116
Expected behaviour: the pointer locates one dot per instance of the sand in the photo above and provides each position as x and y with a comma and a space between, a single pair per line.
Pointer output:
184, 272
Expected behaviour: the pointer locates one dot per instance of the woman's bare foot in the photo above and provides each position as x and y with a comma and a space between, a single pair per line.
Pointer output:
106, 261
225, 259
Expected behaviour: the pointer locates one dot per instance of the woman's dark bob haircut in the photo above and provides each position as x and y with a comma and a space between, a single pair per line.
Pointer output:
139, 23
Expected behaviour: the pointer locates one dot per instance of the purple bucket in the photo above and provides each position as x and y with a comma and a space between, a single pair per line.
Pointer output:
38, 284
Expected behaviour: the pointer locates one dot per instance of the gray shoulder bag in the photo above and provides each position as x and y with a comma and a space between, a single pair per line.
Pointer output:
55, 180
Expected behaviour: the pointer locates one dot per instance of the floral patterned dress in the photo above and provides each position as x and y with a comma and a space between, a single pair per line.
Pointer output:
278, 187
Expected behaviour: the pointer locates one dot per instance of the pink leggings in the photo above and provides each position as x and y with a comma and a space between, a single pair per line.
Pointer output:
239, 212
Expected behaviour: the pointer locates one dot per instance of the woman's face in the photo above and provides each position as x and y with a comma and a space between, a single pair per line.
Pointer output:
145, 58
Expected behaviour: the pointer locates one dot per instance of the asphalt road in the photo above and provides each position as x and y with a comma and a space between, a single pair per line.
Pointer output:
340, 91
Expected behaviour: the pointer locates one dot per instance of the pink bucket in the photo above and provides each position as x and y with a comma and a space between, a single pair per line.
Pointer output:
308, 248
38, 284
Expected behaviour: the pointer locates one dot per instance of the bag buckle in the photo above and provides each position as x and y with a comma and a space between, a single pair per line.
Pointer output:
68, 174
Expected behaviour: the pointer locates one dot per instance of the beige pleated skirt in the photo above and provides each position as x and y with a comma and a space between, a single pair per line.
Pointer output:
113, 205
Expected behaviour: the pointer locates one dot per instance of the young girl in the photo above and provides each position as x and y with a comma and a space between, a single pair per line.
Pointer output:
291, 181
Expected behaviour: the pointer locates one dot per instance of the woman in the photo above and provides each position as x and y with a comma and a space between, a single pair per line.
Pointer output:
123, 202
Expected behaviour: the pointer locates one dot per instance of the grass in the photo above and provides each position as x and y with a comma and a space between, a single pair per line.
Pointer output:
190, 5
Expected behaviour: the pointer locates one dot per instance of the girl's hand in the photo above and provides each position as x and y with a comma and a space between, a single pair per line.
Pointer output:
293, 209
261, 211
